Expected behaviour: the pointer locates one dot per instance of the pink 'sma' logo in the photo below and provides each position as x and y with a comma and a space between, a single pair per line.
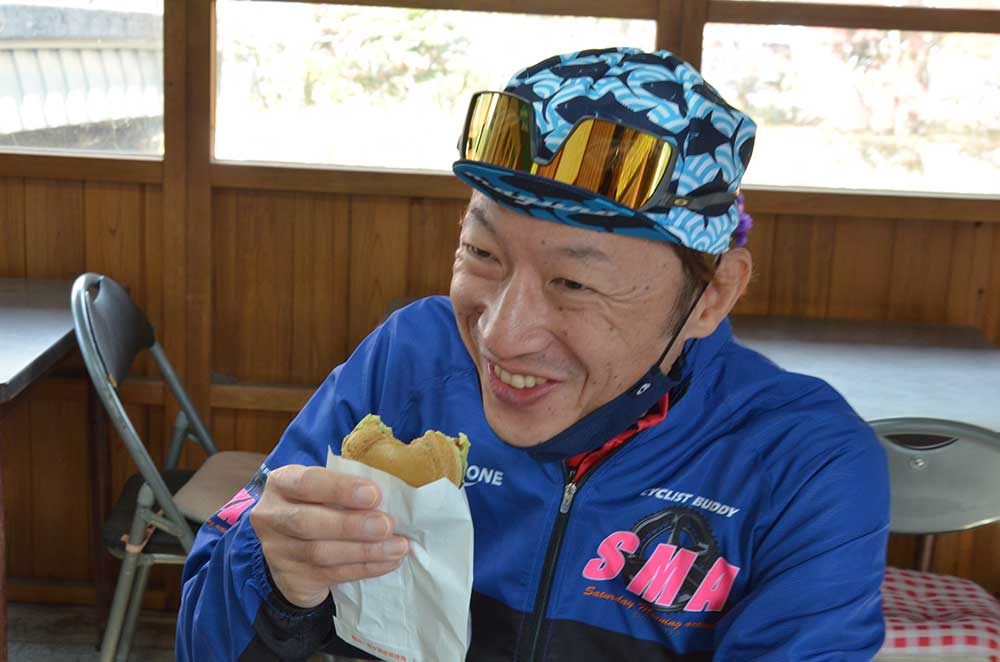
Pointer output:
661, 578
231, 512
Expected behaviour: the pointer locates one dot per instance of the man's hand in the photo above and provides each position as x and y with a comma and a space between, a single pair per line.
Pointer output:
319, 527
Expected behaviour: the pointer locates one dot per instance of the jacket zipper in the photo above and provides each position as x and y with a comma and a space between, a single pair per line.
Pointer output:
549, 567
570, 489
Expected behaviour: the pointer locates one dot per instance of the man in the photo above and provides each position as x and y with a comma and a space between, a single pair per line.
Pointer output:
642, 487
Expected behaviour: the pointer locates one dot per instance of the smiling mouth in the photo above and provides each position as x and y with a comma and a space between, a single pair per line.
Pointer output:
515, 380
517, 389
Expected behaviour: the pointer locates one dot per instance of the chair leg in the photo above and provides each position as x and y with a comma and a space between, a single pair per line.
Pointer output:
132, 615
127, 575
118, 605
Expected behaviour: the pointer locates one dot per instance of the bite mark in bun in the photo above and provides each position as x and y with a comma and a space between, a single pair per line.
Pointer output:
434, 455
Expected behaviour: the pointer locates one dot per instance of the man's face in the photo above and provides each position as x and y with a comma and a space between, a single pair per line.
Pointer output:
559, 320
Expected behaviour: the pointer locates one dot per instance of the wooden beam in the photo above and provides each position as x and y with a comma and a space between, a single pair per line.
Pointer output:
135, 390
941, 207
152, 391
90, 168
44, 591
854, 16
618, 9
260, 397
357, 181
693, 30
734, 11
142, 391
174, 247
669, 35
198, 231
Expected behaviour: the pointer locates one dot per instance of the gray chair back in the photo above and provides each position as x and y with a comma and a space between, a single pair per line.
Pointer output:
945, 475
119, 328
111, 330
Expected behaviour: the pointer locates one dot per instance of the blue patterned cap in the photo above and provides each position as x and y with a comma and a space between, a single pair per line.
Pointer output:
653, 92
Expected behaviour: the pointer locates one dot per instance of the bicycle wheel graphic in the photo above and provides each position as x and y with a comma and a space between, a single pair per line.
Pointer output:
680, 527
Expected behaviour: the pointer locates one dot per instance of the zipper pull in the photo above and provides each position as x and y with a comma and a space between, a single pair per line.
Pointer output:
567, 499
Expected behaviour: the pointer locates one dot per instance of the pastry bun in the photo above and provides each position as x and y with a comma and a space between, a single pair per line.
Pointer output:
422, 461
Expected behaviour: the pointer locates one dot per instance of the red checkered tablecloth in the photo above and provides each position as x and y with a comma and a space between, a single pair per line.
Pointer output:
939, 615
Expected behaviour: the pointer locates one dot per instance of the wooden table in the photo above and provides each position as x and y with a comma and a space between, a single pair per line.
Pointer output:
888, 369
36, 331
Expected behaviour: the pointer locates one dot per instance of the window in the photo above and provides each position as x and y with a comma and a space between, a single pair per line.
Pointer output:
375, 86
82, 75
864, 109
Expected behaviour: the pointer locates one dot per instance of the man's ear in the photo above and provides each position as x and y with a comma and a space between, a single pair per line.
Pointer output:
729, 284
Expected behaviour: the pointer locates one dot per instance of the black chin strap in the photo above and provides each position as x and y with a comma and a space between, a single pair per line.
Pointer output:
687, 316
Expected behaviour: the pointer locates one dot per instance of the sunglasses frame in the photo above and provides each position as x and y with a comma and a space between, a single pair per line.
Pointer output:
661, 197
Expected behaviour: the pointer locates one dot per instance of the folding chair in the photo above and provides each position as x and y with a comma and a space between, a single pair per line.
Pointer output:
157, 513
944, 476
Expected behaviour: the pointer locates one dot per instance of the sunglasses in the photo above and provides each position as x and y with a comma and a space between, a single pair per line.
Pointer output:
626, 165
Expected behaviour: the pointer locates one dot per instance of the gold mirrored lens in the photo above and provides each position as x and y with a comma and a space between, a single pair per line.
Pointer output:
617, 162
499, 131
623, 164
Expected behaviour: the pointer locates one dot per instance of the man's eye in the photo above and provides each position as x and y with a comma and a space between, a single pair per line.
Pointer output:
571, 284
478, 252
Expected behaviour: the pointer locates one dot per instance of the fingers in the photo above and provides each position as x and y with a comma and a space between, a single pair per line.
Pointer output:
304, 521
319, 527
328, 554
344, 573
356, 571
322, 485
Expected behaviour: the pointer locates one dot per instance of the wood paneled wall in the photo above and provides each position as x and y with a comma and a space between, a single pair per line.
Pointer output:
876, 269
261, 279
299, 278
332, 264
58, 229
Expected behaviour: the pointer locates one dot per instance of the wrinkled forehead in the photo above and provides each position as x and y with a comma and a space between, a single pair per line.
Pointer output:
634, 255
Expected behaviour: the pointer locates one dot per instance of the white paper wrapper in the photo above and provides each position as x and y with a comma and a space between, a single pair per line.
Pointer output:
419, 612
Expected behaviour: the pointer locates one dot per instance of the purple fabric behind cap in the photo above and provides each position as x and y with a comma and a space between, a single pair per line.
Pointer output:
742, 231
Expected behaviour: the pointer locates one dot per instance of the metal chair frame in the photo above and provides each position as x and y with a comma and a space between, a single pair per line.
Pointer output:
948, 433
134, 574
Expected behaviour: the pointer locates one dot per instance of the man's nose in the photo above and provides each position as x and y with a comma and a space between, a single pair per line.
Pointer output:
514, 322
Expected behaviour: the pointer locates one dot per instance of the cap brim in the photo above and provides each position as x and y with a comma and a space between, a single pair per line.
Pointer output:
550, 200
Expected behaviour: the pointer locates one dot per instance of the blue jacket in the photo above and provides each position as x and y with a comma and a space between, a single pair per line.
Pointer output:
750, 524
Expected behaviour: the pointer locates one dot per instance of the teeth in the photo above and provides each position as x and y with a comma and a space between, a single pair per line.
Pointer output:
517, 381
